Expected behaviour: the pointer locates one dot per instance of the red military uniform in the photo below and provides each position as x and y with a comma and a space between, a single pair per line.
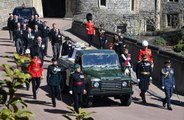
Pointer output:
145, 52
35, 68
90, 28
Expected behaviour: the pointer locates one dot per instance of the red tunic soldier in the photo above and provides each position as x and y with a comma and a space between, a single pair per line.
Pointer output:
35, 69
146, 52
90, 28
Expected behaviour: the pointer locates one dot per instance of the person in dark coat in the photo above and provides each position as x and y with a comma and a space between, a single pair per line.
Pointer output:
37, 32
118, 42
65, 47
10, 25
77, 87
31, 22
168, 83
54, 80
56, 41
45, 35
29, 39
102, 36
144, 76
18, 39
39, 48
24, 32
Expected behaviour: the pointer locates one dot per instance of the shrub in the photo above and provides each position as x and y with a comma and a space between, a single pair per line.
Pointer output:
178, 48
159, 41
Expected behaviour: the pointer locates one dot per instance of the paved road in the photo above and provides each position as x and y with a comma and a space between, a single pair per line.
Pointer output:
106, 109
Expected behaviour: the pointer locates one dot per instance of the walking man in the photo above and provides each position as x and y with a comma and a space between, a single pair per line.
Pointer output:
35, 69
45, 33
77, 87
18, 39
144, 76
54, 80
11, 26
168, 83
56, 41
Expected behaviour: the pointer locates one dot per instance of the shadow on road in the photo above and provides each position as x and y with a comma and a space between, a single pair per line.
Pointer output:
148, 104
39, 102
24, 95
174, 102
57, 111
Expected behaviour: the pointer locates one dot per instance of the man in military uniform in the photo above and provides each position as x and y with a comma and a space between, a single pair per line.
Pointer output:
102, 36
168, 83
144, 76
54, 80
118, 42
145, 51
77, 87
90, 28
35, 69
56, 41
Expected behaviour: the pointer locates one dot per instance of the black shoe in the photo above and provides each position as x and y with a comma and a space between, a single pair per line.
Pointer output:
54, 105
163, 102
169, 108
144, 101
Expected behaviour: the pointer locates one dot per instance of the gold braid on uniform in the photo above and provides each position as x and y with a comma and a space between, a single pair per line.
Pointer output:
166, 74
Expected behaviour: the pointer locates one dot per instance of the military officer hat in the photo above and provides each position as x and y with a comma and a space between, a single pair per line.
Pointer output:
76, 66
89, 16
167, 61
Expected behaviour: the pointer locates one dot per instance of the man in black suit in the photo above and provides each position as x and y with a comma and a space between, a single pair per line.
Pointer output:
18, 39
45, 35
37, 32
29, 38
56, 41
10, 25
39, 48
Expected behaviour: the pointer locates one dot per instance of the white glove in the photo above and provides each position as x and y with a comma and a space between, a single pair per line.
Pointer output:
70, 92
150, 78
174, 86
138, 80
131, 69
163, 87
152, 65
85, 91
127, 72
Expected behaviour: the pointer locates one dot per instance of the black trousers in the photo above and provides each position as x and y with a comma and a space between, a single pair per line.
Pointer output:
55, 93
77, 99
90, 38
35, 85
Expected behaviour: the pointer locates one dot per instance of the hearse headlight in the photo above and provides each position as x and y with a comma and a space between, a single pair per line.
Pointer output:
96, 84
124, 84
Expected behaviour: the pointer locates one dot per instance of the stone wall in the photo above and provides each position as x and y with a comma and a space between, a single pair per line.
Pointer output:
117, 12
172, 8
7, 7
159, 56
